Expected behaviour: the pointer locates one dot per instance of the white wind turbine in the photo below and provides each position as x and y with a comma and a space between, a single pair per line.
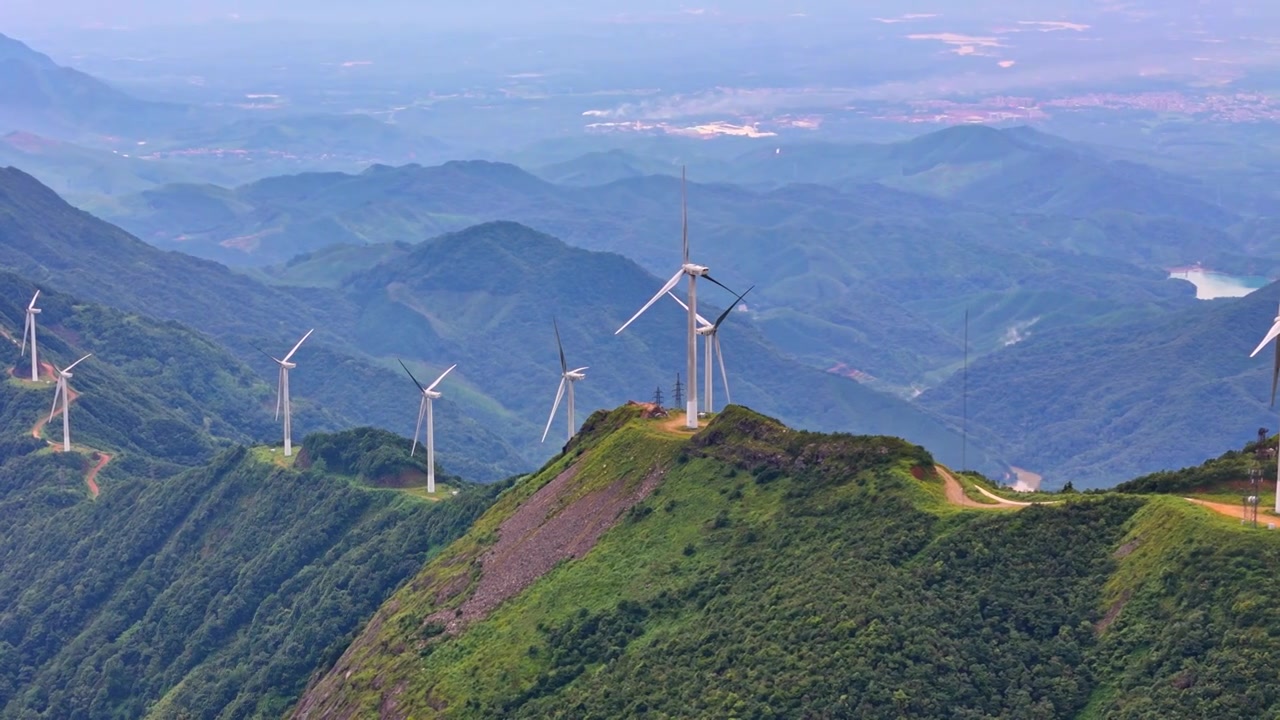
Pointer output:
693, 272
1275, 379
567, 379
429, 393
282, 392
710, 333
62, 391
29, 332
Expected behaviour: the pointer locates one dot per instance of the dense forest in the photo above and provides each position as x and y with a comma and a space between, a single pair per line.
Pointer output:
214, 593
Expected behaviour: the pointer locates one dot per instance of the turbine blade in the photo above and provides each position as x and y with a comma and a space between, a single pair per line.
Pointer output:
723, 374
433, 385
1275, 375
295, 347
732, 305
417, 430
554, 408
726, 287
1275, 331
264, 352
26, 332
684, 215
279, 390
411, 377
62, 383
86, 357
702, 320
582, 368
33, 300
564, 367
665, 289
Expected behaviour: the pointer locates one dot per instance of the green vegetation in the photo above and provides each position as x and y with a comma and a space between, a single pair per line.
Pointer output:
1229, 472
210, 594
783, 573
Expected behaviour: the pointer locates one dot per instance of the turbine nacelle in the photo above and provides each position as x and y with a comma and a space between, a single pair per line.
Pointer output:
432, 394
576, 375
37, 311
695, 270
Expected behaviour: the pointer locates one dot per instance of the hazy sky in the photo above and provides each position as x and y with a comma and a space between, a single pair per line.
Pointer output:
134, 13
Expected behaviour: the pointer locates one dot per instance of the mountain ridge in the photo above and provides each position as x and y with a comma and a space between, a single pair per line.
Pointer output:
788, 573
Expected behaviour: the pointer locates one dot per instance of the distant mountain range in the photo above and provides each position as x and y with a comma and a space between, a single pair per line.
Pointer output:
820, 257
484, 298
38, 95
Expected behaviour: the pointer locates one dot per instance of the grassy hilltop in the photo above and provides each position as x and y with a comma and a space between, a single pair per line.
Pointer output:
755, 571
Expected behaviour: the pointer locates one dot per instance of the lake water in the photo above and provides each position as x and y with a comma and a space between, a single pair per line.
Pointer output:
1210, 284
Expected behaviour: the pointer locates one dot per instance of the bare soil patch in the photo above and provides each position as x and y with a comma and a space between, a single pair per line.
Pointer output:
536, 538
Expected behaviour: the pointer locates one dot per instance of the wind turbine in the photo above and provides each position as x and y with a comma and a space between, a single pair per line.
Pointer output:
29, 331
424, 408
693, 272
282, 392
1275, 379
567, 379
62, 391
709, 330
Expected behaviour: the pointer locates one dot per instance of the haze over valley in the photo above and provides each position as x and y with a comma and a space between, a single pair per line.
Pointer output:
979, 291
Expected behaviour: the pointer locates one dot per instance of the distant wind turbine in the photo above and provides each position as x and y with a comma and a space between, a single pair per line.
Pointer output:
282, 392
29, 332
1275, 379
61, 391
693, 272
710, 332
567, 379
429, 393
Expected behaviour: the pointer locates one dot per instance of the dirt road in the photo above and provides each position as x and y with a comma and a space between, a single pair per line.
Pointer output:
92, 478
955, 492
1228, 509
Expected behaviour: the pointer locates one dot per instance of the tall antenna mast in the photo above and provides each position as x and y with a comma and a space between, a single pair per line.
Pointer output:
964, 400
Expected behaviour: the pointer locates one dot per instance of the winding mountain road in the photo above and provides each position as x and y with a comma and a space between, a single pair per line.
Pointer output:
37, 430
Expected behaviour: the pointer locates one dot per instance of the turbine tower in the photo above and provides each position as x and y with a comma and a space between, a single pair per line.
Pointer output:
429, 393
709, 331
62, 391
29, 332
567, 379
282, 393
1275, 379
693, 272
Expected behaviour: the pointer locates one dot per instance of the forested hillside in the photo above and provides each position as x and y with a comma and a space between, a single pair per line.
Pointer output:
1100, 405
214, 593
754, 571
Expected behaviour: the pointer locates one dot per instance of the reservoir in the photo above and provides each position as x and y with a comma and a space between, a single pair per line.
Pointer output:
1211, 285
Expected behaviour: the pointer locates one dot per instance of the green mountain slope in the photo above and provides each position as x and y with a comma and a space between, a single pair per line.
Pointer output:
44, 239
755, 571
156, 395
214, 593
1096, 406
